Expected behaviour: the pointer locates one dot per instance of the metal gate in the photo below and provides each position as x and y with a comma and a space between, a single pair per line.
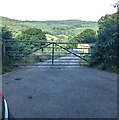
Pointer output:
47, 53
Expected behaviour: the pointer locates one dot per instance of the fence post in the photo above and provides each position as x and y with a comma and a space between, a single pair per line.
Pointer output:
52, 53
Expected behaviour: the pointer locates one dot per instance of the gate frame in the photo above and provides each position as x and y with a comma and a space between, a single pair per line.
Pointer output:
47, 44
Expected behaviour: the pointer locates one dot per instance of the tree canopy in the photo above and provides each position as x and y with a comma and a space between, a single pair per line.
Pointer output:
106, 51
87, 36
6, 34
7, 56
33, 34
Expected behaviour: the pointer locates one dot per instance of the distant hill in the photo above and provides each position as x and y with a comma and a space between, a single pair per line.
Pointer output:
54, 28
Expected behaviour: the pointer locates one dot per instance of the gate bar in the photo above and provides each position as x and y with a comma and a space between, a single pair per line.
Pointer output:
71, 52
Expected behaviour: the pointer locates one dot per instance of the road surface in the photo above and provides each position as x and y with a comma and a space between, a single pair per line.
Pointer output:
56, 92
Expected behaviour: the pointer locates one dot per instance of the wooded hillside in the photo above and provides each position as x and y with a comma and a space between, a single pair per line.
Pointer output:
54, 28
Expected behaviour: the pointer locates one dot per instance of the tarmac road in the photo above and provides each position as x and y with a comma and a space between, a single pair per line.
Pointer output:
52, 92
72, 61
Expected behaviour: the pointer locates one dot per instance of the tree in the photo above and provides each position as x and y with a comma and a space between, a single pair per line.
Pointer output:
6, 34
71, 46
32, 34
87, 36
106, 51
7, 47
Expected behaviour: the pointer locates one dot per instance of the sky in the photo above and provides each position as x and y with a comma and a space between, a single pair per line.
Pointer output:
41, 10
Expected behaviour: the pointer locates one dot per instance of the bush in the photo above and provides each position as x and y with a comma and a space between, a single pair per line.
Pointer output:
106, 52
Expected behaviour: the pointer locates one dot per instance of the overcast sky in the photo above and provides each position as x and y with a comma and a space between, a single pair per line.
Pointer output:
89, 10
